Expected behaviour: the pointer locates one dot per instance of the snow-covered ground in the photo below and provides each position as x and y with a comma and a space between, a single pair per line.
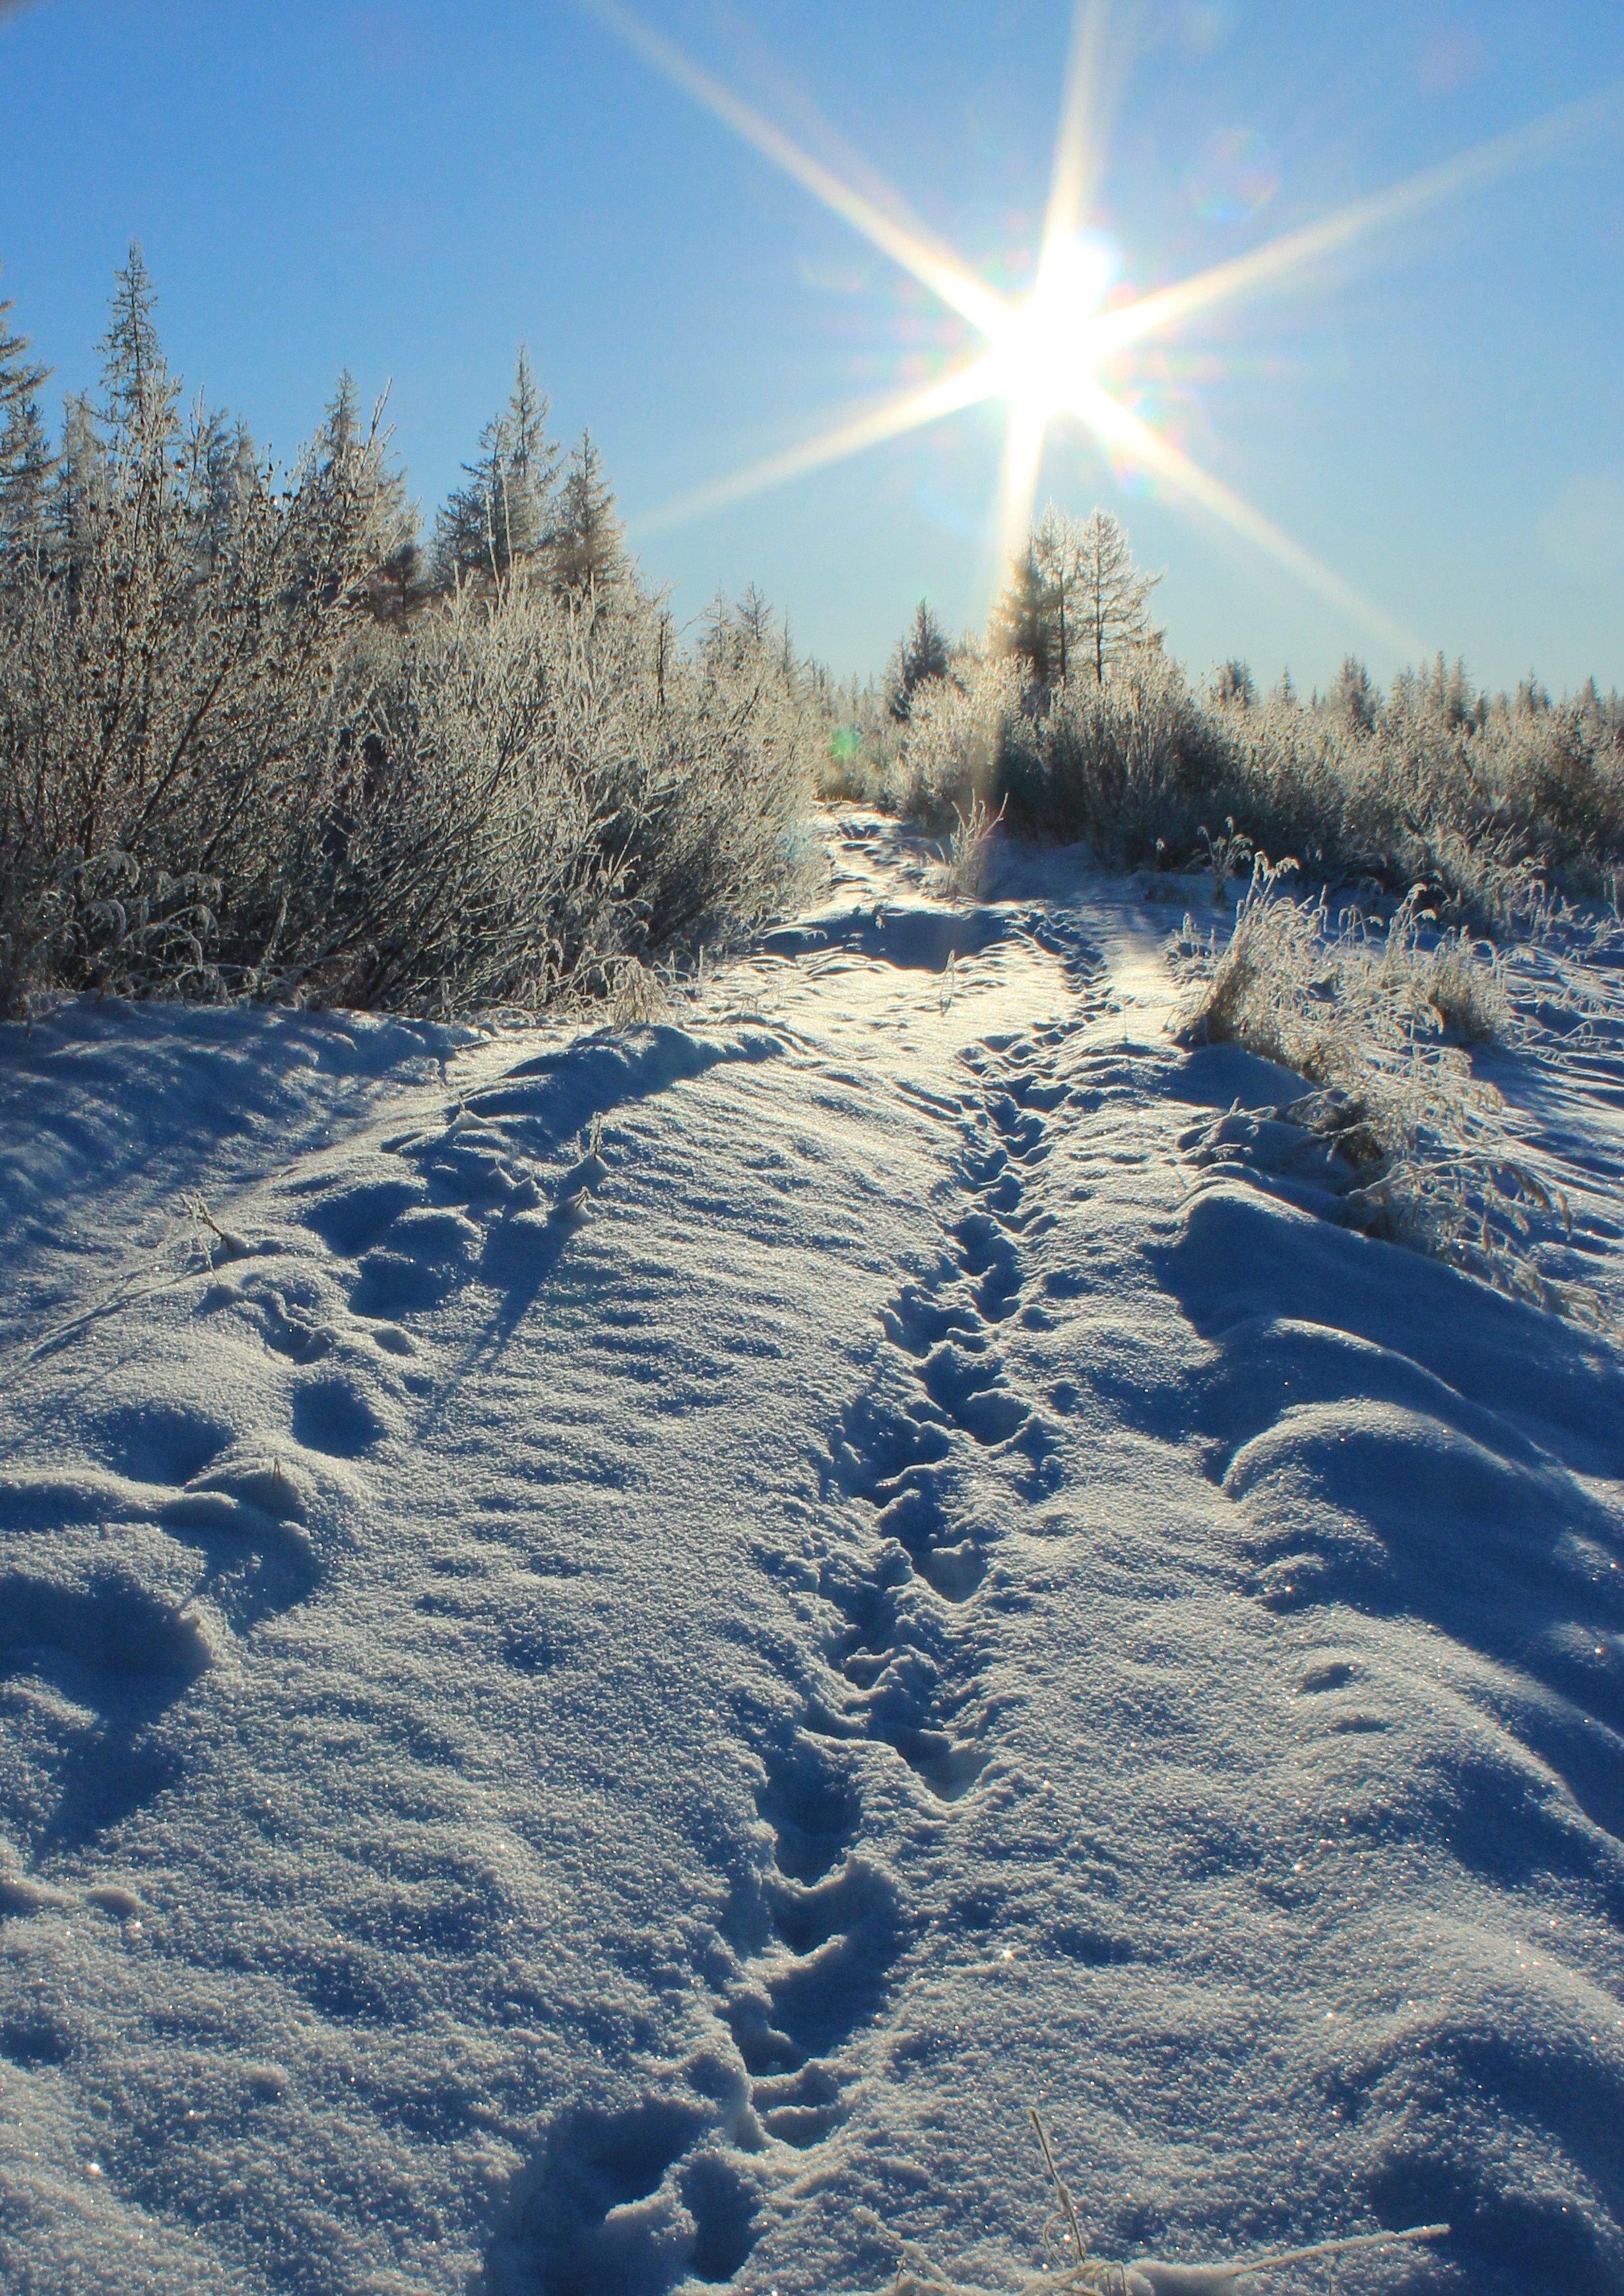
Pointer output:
596, 1723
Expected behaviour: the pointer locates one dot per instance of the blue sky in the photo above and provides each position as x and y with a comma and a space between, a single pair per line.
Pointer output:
1437, 413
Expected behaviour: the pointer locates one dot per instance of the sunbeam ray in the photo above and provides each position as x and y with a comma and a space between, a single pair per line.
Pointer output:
1283, 258
906, 242
966, 387
1023, 452
1076, 145
1115, 425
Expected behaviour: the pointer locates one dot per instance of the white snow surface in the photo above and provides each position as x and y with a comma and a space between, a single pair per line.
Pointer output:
593, 1724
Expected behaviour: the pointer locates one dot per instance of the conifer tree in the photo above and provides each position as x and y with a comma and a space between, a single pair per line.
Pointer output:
501, 518
219, 473
587, 550
753, 615
1354, 696
1102, 601
139, 395
26, 467
20, 377
353, 509
1234, 685
1021, 626
530, 468
25, 461
1451, 691
80, 490
922, 654
1075, 599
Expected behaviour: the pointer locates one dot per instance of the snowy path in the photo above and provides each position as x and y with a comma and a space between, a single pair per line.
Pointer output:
607, 1750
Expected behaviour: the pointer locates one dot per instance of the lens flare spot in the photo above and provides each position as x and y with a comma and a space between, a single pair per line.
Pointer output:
1234, 178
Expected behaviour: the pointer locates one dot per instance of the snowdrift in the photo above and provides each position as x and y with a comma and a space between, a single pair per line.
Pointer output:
616, 1648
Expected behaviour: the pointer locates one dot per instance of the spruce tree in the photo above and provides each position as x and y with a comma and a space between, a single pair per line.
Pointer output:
353, 510
138, 392
219, 476
1022, 625
530, 468
1354, 696
921, 655
80, 490
26, 467
1234, 685
501, 518
25, 461
19, 378
587, 550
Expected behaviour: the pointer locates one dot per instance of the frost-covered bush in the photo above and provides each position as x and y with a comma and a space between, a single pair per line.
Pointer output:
170, 627
1475, 809
1120, 760
538, 784
245, 748
956, 748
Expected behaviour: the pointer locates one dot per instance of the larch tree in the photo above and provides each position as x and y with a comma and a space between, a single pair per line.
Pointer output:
1099, 600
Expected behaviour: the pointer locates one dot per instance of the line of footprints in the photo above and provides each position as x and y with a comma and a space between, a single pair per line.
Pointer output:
909, 1681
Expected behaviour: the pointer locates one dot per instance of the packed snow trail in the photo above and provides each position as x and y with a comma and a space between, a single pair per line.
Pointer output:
687, 1620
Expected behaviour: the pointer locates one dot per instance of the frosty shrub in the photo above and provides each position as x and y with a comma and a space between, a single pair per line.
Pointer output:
540, 788
246, 747
1367, 1015
1116, 760
955, 747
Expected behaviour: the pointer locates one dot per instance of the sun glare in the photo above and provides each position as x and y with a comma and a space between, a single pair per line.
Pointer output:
1043, 354
1047, 345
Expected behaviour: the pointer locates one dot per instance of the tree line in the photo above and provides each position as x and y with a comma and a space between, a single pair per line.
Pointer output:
256, 737
1068, 714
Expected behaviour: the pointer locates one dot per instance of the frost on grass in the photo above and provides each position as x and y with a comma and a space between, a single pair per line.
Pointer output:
1379, 1021
963, 868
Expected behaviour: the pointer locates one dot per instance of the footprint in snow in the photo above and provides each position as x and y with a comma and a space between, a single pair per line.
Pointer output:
626, 2202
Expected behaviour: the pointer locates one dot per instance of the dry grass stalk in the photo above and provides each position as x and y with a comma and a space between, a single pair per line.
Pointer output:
1075, 2273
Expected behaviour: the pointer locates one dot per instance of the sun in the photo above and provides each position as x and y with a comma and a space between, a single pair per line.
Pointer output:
1049, 346
1044, 355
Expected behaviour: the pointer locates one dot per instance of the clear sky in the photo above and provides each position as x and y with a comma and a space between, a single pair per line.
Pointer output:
1435, 413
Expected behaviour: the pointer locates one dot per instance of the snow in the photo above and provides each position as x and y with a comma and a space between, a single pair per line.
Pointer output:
617, 1648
